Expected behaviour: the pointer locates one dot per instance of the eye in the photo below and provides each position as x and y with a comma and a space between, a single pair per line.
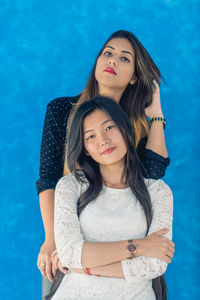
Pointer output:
109, 127
91, 137
107, 54
125, 59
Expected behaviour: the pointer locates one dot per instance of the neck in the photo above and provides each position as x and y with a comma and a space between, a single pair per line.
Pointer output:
113, 175
111, 93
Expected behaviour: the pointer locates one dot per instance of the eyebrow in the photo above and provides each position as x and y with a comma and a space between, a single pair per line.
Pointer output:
106, 121
124, 51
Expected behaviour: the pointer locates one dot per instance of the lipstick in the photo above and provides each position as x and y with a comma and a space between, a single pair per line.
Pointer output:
110, 70
108, 151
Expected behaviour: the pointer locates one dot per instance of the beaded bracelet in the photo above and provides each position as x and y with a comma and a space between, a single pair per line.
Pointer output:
159, 119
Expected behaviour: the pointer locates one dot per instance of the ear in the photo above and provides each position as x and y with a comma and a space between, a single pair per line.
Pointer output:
133, 80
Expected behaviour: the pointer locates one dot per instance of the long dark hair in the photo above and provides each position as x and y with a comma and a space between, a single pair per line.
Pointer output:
135, 97
77, 155
90, 170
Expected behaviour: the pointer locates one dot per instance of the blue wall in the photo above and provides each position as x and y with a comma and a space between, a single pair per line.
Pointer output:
47, 49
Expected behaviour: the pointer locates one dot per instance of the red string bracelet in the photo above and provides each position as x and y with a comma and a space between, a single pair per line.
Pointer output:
87, 271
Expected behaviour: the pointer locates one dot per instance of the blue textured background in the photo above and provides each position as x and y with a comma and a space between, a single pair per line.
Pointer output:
47, 49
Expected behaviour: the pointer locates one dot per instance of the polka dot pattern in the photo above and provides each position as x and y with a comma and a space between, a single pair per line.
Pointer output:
154, 164
53, 144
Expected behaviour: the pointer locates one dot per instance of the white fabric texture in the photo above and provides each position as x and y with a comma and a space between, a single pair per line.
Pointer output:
113, 216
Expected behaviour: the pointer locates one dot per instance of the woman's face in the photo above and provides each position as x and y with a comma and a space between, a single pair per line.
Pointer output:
115, 66
103, 140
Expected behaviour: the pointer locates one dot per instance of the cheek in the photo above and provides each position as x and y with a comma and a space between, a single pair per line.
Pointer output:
123, 145
127, 70
128, 73
97, 69
90, 148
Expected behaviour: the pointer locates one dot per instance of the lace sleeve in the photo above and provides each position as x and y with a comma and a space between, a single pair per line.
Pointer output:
141, 267
68, 236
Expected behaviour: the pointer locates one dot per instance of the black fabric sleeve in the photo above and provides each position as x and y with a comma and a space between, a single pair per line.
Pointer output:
154, 164
52, 146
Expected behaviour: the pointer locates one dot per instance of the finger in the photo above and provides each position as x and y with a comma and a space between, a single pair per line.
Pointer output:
62, 268
48, 269
53, 260
168, 243
171, 248
54, 253
162, 231
155, 84
64, 271
171, 251
53, 269
56, 262
172, 244
168, 259
41, 267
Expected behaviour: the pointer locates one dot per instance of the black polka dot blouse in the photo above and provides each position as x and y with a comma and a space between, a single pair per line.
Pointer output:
53, 144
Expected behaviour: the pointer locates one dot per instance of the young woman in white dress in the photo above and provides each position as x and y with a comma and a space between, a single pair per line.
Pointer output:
113, 228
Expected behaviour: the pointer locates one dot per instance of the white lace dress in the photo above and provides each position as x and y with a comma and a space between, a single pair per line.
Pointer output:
115, 215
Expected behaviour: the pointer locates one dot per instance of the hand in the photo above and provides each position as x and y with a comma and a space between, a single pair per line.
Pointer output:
44, 262
156, 245
56, 264
154, 109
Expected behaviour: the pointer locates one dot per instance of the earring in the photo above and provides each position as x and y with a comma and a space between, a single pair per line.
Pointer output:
133, 80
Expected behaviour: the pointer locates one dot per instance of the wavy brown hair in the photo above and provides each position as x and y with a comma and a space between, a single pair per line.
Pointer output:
135, 97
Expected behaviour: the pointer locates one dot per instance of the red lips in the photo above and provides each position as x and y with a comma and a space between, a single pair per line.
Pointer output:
108, 151
110, 70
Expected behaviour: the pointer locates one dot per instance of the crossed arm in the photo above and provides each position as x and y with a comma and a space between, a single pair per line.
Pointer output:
111, 258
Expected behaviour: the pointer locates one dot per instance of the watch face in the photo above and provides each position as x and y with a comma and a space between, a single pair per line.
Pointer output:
131, 248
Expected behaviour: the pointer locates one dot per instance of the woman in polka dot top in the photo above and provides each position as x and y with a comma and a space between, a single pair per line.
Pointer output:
124, 71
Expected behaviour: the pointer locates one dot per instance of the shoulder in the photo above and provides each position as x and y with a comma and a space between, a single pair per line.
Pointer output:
68, 180
158, 187
62, 102
59, 109
70, 183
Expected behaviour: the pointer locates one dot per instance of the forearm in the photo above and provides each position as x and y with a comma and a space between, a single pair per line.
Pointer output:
96, 254
112, 270
47, 212
156, 139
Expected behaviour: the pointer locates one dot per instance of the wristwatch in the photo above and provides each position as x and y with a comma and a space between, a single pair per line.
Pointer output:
131, 248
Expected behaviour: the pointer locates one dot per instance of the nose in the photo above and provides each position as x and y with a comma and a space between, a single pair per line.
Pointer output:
112, 61
103, 140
